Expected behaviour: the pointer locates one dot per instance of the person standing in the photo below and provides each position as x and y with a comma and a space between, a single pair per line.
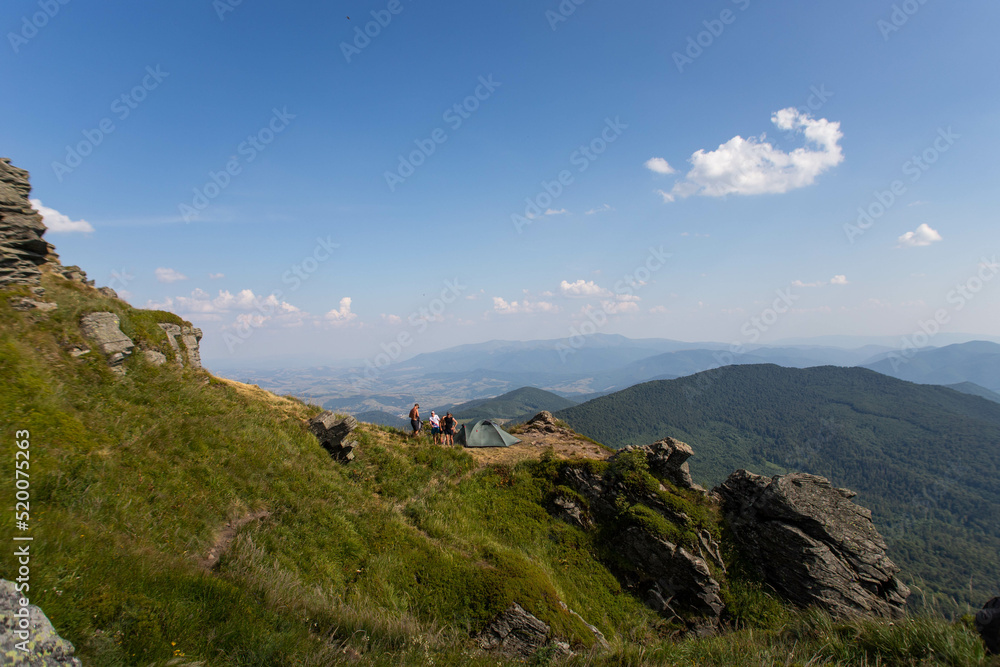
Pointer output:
435, 427
415, 419
448, 425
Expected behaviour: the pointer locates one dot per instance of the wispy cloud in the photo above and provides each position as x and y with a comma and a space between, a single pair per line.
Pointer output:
58, 223
583, 288
166, 275
659, 165
600, 209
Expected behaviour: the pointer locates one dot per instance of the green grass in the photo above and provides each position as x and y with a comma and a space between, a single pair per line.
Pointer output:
394, 559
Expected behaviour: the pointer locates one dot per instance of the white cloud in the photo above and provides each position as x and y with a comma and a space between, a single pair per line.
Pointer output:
248, 308
600, 209
667, 197
619, 307
553, 211
839, 280
392, 319
659, 310
216, 276
165, 275
343, 313
659, 165
59, 223
582, 288
504, 307
836, 280
753, 166
924, 236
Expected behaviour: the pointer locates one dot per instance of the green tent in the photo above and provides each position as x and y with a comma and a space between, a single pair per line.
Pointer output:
485, 433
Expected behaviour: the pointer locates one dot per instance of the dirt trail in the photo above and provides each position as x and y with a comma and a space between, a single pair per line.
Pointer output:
226, 535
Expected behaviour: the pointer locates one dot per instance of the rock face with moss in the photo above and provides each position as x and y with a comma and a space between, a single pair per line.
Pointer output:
812, 544
654, 539
22, 248
39, 646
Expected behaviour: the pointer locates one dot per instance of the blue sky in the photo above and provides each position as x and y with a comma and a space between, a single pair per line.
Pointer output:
804, 113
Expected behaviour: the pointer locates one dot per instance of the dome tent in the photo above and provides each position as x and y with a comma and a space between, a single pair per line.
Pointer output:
485, 433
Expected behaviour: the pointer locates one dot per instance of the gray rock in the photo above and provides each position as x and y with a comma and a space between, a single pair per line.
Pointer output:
812, 544
108, 292
23, 251
25, 304
674, 582
515, 633
190, 337
154, 357
74, 273
667, 459
988, 625
103, 329
45, 648
331, 433
667, 577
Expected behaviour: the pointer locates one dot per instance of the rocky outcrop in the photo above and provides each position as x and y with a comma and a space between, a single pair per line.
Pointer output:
332, 434
28, 637
988, 625
812, 544
514, 633
629, 506
103, 330
667, 460
22, 249
190, 338
543, 421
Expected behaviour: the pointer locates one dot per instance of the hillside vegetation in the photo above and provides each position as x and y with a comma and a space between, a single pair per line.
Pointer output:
924, 459
518, 405
397, 558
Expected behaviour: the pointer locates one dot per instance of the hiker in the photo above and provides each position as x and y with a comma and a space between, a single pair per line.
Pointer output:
415, 419
448, 425
435, 427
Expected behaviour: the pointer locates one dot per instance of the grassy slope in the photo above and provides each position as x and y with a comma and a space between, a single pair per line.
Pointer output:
394, 558
925, 459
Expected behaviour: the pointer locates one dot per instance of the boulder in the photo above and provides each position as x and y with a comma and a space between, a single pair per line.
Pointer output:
514, 633
332, 432
154, 357
667, 459
190, 337
25, 304
988, 625
45, 648
812, 544
672, 581
103, 329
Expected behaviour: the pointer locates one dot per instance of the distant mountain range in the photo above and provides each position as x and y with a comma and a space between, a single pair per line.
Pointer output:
977, 361
925, 459
602, 364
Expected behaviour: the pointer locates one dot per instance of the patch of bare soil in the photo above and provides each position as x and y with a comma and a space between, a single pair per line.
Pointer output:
226, 535
539, 435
